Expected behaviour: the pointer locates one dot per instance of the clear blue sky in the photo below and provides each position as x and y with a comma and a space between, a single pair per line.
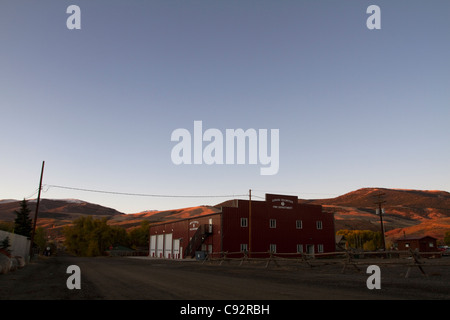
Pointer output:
355, 107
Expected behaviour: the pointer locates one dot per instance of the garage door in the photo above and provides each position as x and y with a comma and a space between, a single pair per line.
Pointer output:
152, 249
168, 246
159, 245
176, 248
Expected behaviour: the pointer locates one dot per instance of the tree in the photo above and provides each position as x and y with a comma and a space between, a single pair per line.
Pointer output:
5, 244
139, 236
91, 237
447, 238
362, 239
22, 223
40, 238
7, 226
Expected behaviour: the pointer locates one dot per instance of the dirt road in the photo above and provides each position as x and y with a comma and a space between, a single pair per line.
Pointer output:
136, 279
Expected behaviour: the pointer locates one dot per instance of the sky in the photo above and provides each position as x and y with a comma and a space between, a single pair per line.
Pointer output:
355, 107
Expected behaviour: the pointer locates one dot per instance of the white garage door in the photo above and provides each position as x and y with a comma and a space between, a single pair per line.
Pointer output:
152, 249
176, 249
159, 245
168, 246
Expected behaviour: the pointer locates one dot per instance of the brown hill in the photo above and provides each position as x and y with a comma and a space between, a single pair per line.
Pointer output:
407, 212
365, 198
132, 220
55, 214
410, 212
63, 208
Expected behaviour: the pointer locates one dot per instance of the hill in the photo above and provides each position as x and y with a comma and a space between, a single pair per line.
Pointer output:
407, 212
61, 208
55, 214
132, 220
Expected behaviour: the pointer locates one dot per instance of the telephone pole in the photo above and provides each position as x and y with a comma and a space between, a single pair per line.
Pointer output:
37, 210
379, 202
249, 222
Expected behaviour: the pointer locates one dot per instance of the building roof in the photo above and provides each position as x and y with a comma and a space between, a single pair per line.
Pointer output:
415, 238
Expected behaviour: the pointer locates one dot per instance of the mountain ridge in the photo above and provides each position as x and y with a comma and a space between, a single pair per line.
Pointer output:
407, 212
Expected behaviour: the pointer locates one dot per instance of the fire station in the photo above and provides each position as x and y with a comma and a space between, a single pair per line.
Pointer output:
279, 224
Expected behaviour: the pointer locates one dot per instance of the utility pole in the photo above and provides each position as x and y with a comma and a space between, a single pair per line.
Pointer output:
249, 222
37, 210
379, 202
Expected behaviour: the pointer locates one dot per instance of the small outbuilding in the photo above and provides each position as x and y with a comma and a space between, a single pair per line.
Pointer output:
422, 244
341, 243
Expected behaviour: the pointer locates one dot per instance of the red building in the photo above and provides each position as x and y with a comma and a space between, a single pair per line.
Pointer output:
279, 224
422, 244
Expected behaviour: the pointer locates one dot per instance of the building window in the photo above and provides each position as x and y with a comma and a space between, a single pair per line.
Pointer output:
273, 223
319, 225
406, 245
320, 248
299, 248
244, 222
299, 224
431, 244
244, 247
273, 248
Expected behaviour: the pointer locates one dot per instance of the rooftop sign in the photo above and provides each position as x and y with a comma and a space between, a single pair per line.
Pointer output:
277, 201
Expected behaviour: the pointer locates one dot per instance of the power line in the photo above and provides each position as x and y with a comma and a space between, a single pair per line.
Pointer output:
255, 196
29, 197
296, 192
144, 194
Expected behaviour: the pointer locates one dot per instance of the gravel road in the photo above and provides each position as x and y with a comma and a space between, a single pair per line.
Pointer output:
128, 278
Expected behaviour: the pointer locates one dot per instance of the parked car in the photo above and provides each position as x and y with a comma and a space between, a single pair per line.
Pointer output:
445, 250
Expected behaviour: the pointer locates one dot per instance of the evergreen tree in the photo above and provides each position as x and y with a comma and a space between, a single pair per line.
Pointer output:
5, 244
22, 223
